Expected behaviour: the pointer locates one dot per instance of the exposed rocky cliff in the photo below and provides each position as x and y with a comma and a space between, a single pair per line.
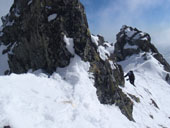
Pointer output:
132, 41
38, 34
108, 77
34, 31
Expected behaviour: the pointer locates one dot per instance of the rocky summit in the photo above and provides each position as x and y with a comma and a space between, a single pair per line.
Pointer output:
132, 41
34, 32
43, 34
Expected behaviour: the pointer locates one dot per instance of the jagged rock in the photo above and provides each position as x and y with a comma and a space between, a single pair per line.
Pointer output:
101, 40
132, 41
108, 77
34, 33
136, 99
37, 41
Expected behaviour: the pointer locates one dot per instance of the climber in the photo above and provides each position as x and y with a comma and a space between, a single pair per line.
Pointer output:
131, 77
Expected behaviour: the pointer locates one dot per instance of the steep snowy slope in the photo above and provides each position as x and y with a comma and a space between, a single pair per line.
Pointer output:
153, 110
135, 52
151, 96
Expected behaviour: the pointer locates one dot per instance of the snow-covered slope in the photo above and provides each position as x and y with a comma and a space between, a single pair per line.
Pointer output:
151, 96
153, 111
68, 98
65, 100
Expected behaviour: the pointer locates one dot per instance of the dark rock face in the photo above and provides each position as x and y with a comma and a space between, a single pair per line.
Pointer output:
34, 34
108, 79
132, 41
37, 42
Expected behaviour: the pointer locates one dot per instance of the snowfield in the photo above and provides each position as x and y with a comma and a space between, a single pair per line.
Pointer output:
67, 99
153, 111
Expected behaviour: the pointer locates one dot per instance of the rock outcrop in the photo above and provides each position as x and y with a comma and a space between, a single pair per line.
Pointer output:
132, 41
34, 31
108, 77
38, 33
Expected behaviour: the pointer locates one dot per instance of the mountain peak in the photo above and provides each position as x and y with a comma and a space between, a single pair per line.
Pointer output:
132, 41
133, 34
34, 32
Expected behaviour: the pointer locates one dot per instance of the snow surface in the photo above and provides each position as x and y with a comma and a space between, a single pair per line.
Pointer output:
145, 38
67, 100
104, 50
112, 64
29, 2
127, 46
129, 32
103, 53
150, 85
69, 44
95, 39
110, 47
52, 17
140, 36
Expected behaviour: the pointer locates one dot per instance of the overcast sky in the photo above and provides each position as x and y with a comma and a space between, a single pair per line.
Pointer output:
107, 16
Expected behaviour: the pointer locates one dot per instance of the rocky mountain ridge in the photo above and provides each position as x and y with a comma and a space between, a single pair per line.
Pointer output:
41, 34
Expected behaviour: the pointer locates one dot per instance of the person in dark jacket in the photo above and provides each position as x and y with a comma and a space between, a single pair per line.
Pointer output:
131, 77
